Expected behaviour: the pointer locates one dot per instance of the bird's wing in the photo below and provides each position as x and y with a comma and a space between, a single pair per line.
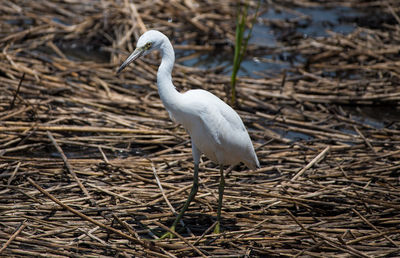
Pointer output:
216, 129
218, 118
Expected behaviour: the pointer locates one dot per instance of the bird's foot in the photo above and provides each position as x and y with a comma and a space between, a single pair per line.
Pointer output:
217, 228
169, 234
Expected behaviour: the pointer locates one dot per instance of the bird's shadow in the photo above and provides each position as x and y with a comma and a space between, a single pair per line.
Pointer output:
197, 223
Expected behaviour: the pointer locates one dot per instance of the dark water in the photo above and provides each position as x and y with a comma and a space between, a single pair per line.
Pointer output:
311, 22
270, 36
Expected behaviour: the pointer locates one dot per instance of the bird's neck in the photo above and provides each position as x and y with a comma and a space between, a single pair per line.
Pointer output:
166, 89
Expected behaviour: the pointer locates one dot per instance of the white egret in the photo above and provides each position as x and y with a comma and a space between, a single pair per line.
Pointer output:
215, 129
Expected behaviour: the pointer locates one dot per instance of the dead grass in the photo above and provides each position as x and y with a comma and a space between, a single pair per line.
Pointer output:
80, 147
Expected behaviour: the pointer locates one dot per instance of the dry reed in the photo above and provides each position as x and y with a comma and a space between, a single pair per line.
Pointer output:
80, 146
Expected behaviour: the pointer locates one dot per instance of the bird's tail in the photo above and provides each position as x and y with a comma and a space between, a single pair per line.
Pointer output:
252, 163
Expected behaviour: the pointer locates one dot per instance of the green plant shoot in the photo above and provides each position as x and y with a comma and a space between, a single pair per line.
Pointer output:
241, 43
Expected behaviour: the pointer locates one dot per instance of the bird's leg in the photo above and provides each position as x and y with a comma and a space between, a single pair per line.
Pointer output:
220, 195
187, 203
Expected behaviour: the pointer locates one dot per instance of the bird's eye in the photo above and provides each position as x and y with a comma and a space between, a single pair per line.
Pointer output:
148, 45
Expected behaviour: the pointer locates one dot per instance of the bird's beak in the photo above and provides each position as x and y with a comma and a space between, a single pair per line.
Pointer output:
135, 55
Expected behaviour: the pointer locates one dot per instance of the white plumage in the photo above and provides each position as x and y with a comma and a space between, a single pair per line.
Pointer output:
214, 127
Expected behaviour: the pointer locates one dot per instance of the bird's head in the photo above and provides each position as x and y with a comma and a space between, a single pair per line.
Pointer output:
149, 41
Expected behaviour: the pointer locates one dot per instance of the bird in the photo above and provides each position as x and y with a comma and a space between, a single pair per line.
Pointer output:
215, 129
